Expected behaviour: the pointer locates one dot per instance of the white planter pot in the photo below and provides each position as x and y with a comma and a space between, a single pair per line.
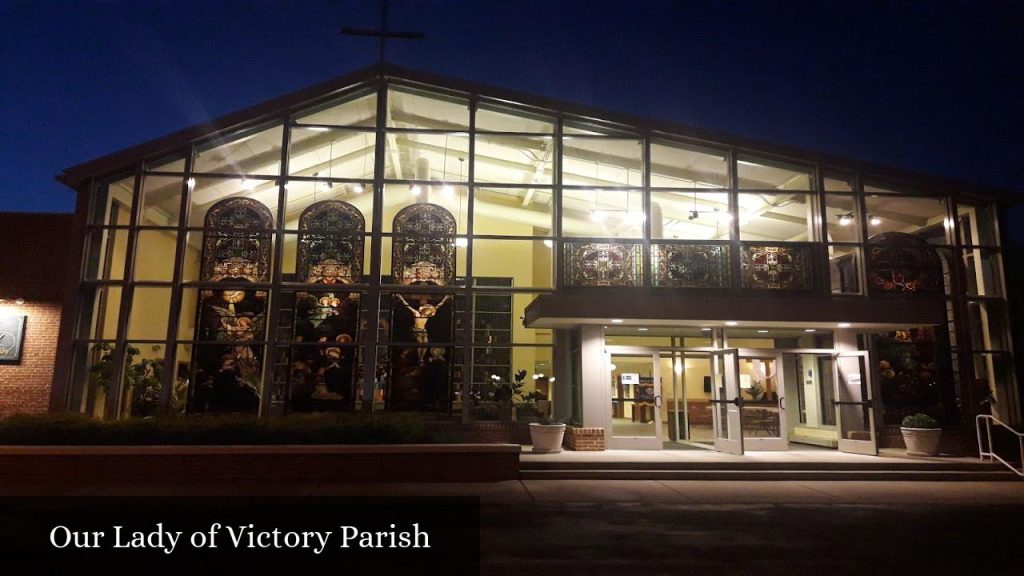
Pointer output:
921, 441
547, 438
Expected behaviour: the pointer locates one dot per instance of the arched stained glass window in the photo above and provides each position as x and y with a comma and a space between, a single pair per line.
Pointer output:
899, 263
331, 243
424, 246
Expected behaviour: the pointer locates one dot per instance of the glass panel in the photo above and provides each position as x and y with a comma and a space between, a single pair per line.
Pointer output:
602, 213
760, 389
977, 223
427, 156
513, 211
144, 367
303, 194
841, 218
154, 255
776, 267
148, 320
919, 216
986, 323
838, 183
360, 111
601, 264
763, 175
319, 378
252, 152
602, 161
331, 153
694, 374
161, 201
501, 119
843, 268
414, 109
182, 379
690, 215
193, 261
107, 250
454, 199
983, 272
527, 263
776, 217
98, 377
633, 394
167, 165
101, 307
209, 191
514, 159
112, 204
681, 166
993, 383
690, 265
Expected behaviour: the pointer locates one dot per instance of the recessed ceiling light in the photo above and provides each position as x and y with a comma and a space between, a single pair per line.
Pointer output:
642, 329
844, 324
810, 330
731, 323
762, 331
317, 128
617, 321
705, 329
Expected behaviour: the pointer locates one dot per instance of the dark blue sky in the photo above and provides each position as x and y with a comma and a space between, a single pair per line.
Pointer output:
934, 86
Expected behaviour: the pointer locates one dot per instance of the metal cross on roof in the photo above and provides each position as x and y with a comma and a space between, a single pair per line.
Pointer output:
383, 33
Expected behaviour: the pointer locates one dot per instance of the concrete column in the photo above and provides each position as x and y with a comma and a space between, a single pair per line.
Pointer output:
596, 388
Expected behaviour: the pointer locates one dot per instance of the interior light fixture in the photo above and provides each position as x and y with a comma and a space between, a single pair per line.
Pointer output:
549, 243
642, 329
191, 183
317, 128
598, 216
762, 331
846, 219
448, 190
248, 184
461, 242
874, 220
617, 320
809, 330
705, 329
357, 188
414, 189
326, 186
844, 324
731, 323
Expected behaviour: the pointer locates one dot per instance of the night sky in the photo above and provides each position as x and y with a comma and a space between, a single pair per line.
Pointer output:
932, 86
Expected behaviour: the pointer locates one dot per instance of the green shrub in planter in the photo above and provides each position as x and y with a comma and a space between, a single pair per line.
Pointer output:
76, 429
919, 421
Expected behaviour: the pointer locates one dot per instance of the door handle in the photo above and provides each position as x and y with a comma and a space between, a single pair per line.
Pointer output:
782, 402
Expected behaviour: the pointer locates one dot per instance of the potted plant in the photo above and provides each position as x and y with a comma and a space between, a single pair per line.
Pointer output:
921, 435
546, 436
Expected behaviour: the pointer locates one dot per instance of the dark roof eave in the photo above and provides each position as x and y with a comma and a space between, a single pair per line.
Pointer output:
76, 175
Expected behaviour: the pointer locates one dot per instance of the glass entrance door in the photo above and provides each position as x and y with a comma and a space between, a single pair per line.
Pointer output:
856, 419
763, 404
726, 401
635, 381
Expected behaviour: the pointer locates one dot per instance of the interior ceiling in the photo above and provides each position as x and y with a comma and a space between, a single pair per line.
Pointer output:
526, 161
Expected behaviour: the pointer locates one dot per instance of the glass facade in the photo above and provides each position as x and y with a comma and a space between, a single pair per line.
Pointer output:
377, 250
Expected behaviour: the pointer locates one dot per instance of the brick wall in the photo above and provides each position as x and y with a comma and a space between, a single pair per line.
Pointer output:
584, 439
25, 387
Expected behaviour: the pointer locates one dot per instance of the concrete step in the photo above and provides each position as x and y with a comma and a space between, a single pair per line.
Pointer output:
752, 465
777, 473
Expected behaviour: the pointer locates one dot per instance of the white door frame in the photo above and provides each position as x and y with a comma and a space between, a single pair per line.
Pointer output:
781, 442
726, 401
853, 390
655, 442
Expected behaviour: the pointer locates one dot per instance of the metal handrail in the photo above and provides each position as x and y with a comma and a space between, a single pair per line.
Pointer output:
989, 419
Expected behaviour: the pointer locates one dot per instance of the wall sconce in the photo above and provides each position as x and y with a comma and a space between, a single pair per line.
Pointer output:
846, 219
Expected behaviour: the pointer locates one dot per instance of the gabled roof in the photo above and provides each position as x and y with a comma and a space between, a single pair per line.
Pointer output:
123, 160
